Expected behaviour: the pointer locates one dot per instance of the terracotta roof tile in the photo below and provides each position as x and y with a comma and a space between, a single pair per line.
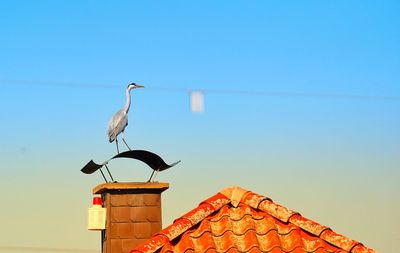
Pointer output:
237, 220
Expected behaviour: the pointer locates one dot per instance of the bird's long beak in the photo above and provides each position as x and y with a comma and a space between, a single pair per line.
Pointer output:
139, 86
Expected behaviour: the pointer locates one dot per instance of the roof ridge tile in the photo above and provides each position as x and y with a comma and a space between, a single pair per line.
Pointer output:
253, 199
360, 248
280, 212
199, 213
217, 201
235, 194
308, 225
153, 244
179, 226
338, 240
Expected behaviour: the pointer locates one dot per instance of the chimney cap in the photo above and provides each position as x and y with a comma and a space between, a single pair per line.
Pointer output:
99, 189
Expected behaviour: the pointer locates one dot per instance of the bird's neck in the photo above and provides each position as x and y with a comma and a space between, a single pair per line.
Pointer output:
128, 101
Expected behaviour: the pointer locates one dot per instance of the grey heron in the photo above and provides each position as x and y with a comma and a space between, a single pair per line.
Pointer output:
119, 121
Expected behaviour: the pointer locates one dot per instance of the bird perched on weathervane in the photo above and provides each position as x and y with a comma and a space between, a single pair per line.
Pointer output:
117, 126
119, 121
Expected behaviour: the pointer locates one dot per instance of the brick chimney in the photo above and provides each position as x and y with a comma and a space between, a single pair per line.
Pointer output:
133, 214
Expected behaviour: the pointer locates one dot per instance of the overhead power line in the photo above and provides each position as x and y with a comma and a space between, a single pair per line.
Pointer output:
40, 83
4, 82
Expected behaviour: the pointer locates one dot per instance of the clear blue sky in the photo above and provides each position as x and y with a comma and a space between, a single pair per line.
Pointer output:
333, 157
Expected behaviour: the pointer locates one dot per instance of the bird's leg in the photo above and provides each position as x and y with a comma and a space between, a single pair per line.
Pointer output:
125, 141
116, 142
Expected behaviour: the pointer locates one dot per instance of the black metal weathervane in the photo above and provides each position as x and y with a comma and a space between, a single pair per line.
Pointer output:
117, 126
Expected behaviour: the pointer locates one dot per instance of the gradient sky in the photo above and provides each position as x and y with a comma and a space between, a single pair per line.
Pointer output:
333, 157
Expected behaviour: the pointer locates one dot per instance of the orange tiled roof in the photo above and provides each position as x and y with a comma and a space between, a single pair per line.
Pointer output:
237, 220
